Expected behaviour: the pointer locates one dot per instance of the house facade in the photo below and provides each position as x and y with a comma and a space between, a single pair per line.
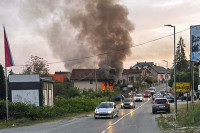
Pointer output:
159, 73
93, 78
133, 75
60, 76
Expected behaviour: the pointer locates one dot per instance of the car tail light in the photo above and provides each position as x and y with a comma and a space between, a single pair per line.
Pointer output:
154, 102
167, 102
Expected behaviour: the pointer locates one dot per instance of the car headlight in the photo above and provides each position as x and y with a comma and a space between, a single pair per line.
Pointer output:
109, 112
122, 104
131, 104
97, 112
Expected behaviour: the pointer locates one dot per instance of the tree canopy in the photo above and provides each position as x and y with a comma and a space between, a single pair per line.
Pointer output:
36, 65
182, 63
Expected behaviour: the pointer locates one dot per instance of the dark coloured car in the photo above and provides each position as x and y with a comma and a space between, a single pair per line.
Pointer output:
128, 103
147, 94
160, 104
185, 97
170, 97
118, 98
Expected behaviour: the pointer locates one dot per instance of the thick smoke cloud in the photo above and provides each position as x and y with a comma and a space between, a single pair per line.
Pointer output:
83, 28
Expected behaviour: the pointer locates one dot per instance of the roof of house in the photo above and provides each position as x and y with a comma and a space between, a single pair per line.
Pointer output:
89, 74
143, 64
159, 69
131, 71
58, 77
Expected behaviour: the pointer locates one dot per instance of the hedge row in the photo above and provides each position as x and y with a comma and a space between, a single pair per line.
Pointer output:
61, 107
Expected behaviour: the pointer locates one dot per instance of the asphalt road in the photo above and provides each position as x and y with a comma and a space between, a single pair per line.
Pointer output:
138, 120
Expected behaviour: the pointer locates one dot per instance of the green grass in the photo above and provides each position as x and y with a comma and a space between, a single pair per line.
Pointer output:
27, 122
188, 120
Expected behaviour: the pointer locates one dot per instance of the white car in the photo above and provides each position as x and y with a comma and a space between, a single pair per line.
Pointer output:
152, 89
106, 110
139, 97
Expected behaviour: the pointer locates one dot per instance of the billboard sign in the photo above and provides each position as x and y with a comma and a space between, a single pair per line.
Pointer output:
182, 87
195, 42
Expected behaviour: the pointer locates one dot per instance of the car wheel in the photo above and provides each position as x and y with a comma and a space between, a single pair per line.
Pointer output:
168, 111
95, 117
153, 111
117, 114
112, 116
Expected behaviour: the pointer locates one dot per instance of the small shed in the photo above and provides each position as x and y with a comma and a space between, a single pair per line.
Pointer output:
31, 89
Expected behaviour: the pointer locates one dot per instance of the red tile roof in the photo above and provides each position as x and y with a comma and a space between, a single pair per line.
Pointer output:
89, 74
58, 77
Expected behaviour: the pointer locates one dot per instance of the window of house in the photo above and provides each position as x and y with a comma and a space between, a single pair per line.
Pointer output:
161, 76
91, 82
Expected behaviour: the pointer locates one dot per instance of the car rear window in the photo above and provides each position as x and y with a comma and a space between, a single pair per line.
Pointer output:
161, 101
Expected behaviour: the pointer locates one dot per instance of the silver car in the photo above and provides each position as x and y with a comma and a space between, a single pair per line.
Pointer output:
106, 110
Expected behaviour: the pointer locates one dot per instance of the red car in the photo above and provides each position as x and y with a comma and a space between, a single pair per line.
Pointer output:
147, 94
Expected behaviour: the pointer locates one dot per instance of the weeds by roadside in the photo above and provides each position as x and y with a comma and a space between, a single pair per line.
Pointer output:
187, 122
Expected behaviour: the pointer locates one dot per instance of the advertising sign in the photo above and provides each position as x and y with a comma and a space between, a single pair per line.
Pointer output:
182, 87
26, 96
195, 42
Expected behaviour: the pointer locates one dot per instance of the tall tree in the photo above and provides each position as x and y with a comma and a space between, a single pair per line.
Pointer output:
2, 84
182, 63
36, 65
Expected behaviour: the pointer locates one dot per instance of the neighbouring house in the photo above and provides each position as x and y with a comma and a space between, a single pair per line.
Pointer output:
31, 89
93, 78
60, 76
133, 75
159, 73
142, 65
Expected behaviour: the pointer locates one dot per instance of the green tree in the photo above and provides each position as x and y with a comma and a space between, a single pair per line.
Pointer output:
2, 84
182, 63
149, 80
36, 65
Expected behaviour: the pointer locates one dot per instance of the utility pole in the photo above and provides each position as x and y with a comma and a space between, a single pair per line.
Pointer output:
166, 74
175, 97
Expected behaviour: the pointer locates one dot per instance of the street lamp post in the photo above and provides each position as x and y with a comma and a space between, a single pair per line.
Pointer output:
175, 98
166, 74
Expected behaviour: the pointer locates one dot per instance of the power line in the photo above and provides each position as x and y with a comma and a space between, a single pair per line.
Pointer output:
116, 50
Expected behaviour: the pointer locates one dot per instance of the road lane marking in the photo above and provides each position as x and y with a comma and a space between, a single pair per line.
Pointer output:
124, 116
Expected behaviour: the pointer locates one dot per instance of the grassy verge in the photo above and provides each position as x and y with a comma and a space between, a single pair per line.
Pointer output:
187, 121
27, 122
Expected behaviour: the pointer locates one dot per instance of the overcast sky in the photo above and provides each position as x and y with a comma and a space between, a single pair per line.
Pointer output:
148, 17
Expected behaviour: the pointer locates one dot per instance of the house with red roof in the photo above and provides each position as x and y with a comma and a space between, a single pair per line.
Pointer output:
60, 76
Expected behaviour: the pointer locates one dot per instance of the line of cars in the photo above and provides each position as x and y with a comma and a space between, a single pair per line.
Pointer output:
110, 109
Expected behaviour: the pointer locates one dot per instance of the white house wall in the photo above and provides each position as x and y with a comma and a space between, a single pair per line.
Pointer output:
87, 85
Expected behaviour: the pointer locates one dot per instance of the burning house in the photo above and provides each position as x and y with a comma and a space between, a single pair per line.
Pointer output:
93, 78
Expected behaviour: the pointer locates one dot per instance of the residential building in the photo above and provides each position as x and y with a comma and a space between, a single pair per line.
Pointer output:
142, 65
133, 75
159, 73
60, 76
92, 78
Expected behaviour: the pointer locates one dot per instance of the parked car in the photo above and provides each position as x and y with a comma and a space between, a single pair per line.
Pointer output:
185, 97
128, 103
160, 104
147, 94
170, 97
119, 97
106, 110
139, 97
